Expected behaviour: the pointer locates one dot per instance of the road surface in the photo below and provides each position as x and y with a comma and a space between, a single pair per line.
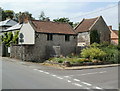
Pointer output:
22, 75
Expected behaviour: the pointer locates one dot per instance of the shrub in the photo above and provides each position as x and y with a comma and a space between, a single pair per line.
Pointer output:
112, 55
57, 60
92, 53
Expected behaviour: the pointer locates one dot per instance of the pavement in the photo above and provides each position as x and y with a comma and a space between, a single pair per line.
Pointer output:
27, 75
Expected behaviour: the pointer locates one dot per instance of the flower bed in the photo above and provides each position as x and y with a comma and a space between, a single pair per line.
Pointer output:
74, 61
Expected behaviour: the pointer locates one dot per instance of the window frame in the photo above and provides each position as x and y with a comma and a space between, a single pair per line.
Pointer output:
49, 37
67, 38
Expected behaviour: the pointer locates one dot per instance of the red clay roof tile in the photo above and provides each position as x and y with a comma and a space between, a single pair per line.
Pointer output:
85, 25
52, 27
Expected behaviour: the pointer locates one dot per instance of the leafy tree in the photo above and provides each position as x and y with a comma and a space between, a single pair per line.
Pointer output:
9, 38
66, 20
42, 17
94, 37
26, 12
6, 38
30, 15
15, 37
9, 14
2, 14
75, 24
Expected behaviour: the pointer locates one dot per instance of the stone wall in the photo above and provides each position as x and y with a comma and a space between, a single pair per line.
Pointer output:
83, 37
43, 49
16, 51
103, 30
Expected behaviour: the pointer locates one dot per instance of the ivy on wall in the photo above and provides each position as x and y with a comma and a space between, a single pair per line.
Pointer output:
94, 37
9, 37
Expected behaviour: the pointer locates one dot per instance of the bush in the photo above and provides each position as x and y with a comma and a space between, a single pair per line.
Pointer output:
92, 53
112, 55
57, 60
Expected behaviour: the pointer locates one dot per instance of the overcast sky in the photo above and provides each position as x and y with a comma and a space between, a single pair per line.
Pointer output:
76, 10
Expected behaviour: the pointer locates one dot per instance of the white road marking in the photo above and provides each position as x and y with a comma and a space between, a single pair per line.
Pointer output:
76, 80
86, 74
35, 69
40, 71
87, 83
68, 81
77, 84
98, 88
103, 72
46, 73
54, 75
59, 77
66, 76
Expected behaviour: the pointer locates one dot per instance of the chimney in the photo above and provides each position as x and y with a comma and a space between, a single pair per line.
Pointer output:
110, 27
23, 18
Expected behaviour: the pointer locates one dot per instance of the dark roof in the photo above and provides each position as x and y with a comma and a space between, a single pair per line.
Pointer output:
52, 27
85, 25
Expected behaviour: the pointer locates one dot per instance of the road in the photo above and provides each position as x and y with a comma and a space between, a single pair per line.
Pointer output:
23, 75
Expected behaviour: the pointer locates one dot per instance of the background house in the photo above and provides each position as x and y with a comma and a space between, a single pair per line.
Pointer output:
85, 27
114, 36
6, 24
44, 39
3, 26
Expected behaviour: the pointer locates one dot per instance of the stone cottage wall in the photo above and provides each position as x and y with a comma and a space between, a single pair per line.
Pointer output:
17, 51
43, 49
83, 37
103, 30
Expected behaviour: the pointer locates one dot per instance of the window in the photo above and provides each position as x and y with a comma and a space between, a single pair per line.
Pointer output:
49, 37
67, 38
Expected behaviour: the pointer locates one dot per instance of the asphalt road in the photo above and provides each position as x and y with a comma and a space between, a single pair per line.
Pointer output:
22, 75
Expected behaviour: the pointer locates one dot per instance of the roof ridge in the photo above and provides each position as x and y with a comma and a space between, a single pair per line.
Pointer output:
91, 18
51, 21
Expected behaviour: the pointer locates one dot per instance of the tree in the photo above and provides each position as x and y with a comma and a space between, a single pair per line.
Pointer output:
9, 14
2, 15
75, 24
66, 20
26, 12
94, 37
8, 38
42, 17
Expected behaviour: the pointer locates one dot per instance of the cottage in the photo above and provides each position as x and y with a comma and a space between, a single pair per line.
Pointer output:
43, 39
3, 26
6, 24
114, 36
85, 27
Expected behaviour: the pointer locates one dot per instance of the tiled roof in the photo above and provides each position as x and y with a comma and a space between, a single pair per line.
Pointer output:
114, 33
52, 27
85, 25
